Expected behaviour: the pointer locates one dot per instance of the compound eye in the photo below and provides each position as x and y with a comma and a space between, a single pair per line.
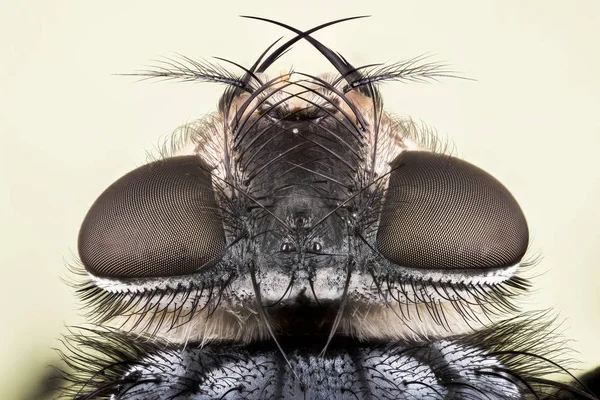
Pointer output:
316, 247
287, 247
159, 220
440, 212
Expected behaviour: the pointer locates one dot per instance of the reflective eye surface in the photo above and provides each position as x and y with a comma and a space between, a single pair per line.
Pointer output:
444, 213
316, 247
287, 247
159, 220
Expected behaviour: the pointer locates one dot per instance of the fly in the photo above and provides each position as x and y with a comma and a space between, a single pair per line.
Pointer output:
303, 242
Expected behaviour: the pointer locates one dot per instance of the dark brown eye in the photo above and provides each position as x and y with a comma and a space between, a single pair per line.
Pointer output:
440, 212
159, 220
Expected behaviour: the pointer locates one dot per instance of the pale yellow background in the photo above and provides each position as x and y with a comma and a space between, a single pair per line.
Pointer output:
69, 127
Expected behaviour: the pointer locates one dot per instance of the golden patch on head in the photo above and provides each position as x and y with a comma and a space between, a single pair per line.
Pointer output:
298, 96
